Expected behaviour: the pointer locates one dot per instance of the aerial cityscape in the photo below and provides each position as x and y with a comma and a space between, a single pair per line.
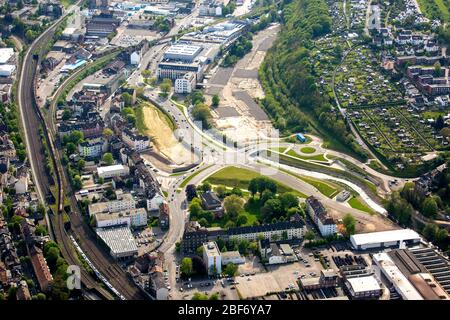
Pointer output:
264, 150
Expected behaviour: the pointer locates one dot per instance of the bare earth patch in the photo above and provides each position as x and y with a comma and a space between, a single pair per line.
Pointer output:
163, 137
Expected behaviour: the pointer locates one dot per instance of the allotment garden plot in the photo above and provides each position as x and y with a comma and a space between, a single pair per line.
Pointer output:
393, 131
359, 81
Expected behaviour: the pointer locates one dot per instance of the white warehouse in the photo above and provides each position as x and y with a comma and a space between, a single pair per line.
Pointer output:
117, 170
384, 239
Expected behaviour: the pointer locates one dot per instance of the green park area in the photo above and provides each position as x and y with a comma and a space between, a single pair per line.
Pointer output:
248, 198
240, 178
308, 150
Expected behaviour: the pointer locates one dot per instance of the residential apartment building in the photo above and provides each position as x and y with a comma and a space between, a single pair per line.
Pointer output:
132, 218
192, 239
124, 202
135, 141
92, 148
324, 222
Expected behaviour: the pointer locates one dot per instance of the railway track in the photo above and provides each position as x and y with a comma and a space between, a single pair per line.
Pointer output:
32, 119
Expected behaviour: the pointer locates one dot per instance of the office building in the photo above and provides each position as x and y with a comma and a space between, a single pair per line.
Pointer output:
212, 258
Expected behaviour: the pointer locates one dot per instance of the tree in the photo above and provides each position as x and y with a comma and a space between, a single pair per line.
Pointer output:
230, 270
198, 265
127, 99
199, 251
146, 74
233, 205
66, 114
202, 113
437, 69
191, 192
195, 208
71, 148
266, 195
199, 296
108, 133
215, 100
429, 231
206, 186
237, 191
41, 230
429, 207
309, 235
197, 97
165, 87
186, 267
243, 246
108, 158
288, 200
441, 235
272, 209
241, 219
80, 164
349, 224
221, 191
253, 187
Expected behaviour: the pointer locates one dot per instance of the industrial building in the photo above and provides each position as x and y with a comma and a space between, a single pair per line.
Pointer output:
384, 239
117, 170
366, 287
395, 277
6, 55
232, 257
120, 241
182, 52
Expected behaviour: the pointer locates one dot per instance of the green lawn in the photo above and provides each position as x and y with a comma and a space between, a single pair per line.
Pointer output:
428, 9
358, 204
308, 150
433, 114
327, 189
240, 178
318, 157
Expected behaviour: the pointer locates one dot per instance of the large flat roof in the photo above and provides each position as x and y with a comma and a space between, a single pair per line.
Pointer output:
396, 277
6, 54
363, 284
384, 236
115, 167
184, 49
118, 239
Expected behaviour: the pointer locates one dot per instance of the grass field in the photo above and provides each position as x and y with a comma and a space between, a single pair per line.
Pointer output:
308, 150
357, 204
240, 178
317, 157
327, 189
435, 9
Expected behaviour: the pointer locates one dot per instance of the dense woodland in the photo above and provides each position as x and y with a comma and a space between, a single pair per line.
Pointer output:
292, 99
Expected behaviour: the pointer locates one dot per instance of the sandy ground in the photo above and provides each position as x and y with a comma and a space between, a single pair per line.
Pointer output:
366, 222
244, 78
163, 138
